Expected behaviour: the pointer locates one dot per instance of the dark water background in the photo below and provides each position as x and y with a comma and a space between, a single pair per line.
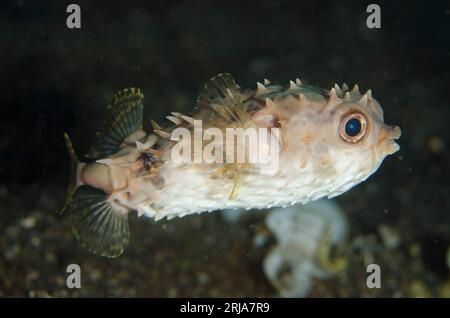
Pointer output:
55, 79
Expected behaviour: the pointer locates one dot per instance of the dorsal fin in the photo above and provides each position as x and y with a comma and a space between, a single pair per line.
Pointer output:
221, 100
123, 117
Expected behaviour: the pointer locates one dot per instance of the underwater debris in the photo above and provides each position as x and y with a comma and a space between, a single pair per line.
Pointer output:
232, 216
448, 257
391, 238
436, 145
418, 289
305, 235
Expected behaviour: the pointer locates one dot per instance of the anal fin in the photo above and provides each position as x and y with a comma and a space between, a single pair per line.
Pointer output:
99, 225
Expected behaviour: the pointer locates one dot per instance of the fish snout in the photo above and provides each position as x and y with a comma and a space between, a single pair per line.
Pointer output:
386, 144
394, 132
391, 133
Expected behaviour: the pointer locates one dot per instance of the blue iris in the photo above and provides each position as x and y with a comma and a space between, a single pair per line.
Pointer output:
353, 127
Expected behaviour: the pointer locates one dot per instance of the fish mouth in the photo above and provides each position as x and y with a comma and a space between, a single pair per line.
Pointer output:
386, 144
392, 133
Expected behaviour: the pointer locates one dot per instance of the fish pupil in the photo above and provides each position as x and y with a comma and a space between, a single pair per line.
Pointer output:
353, 127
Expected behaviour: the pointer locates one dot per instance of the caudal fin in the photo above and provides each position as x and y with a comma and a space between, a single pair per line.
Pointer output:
73, 173
99, 225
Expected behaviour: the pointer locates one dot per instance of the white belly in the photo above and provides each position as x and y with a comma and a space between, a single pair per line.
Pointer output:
189, 189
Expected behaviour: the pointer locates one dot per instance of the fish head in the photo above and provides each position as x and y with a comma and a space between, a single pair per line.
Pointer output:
339, 141
353, 138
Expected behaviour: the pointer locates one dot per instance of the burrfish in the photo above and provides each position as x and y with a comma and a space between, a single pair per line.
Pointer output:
258, 148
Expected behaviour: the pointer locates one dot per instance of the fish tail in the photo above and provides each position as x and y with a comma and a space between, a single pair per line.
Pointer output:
74, 172
99, 222
100, 225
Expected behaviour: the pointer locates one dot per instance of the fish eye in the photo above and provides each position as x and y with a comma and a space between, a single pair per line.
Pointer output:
353, 127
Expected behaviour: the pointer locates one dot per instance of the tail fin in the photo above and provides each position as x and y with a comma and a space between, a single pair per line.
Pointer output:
100, 226
73, 173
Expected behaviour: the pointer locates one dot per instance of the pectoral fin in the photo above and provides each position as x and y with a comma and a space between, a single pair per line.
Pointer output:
220, 105
220, 101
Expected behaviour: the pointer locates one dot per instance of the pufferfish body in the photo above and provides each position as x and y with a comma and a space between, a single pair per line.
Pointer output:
318, 143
